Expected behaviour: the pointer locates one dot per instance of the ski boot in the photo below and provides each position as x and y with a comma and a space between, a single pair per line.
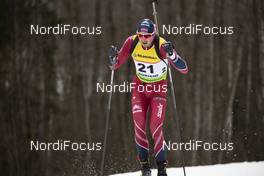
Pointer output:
145, 168
162, 168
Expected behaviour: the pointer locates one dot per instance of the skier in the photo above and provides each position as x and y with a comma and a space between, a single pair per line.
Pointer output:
151, 55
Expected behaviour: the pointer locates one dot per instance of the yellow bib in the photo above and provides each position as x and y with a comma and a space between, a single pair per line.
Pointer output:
149, 67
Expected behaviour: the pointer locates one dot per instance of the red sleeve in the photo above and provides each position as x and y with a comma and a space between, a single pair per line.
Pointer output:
163, 52
124, 52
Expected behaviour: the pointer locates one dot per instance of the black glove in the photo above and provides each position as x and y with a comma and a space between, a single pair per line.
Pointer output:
168, 48
113, 52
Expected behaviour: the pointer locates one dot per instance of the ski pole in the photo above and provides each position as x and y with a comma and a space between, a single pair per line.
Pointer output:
172, 88
155, 16
107, 123
177, 118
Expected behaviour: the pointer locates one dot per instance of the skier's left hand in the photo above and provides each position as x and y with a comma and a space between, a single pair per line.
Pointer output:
168, 48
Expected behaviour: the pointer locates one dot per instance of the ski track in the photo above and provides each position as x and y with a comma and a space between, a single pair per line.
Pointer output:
234, 169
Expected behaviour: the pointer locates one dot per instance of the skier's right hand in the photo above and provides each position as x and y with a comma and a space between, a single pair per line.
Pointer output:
113, 52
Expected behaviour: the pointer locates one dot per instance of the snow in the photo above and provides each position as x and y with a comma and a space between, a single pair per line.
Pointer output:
234, 169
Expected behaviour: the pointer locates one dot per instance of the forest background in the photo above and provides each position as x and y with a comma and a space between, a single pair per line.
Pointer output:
48, 83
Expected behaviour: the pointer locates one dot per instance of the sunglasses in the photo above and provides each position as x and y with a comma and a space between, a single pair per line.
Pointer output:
144, 35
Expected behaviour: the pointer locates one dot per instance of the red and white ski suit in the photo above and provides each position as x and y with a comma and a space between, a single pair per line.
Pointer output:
149, 97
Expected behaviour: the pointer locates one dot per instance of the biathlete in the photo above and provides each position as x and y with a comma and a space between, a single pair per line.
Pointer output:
151, 55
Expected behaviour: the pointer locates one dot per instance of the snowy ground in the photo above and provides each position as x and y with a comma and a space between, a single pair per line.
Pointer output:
234, 169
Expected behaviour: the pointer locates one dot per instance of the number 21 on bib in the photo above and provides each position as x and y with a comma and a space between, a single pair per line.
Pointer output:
151, 72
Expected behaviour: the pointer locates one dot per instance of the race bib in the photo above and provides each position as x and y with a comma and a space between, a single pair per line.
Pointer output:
151, 72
